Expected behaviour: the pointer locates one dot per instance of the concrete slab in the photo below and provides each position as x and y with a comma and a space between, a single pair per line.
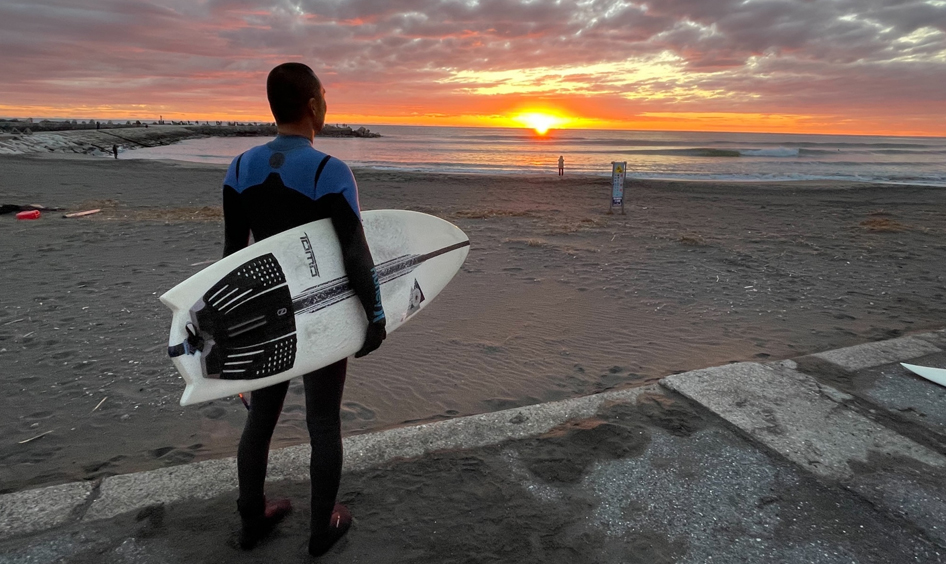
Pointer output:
936, 338
719, 500
35, 510
795, 416
913, 398
913, 494
203, 480
804, 421
132, 492
365, 451
882, 352
899, 399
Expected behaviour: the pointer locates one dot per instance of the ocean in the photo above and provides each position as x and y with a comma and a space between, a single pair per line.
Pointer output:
649, 154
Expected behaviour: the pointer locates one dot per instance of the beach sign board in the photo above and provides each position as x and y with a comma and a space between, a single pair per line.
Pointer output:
618, 172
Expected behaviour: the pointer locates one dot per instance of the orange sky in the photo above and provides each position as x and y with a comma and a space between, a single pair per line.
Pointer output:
727, 65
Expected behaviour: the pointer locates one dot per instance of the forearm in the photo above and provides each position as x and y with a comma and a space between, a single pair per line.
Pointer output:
362, 275
356, 257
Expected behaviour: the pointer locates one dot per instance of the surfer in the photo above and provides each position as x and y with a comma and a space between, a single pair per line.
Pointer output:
561, 165
269, 189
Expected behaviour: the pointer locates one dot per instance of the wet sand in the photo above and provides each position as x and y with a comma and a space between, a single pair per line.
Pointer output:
557, 298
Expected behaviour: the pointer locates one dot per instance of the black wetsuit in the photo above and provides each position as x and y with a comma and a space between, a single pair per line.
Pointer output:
269, 189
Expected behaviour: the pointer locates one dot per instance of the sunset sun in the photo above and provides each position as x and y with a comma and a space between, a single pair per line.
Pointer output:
540, 122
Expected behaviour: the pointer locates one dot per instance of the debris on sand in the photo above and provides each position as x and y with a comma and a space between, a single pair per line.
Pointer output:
39, 436
17, 208
883, 225
82, 213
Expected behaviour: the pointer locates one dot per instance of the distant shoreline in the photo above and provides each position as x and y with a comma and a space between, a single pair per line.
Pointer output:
444, 150
98, 139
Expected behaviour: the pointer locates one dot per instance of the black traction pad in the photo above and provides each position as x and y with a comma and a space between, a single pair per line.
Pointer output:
249, 316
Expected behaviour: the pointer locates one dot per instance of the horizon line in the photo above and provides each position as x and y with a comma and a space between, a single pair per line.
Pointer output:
153, 121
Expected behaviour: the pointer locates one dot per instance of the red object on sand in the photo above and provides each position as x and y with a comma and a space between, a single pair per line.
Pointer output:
32, 214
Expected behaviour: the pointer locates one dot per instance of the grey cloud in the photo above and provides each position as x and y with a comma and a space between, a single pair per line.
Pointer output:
760, 52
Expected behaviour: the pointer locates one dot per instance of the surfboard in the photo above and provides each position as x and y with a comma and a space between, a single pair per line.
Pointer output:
937, 375
283, 306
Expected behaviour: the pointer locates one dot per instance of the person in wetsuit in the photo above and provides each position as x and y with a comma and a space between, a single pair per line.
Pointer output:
269, 189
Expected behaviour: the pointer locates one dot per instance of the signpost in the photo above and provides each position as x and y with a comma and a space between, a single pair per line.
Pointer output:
618, 172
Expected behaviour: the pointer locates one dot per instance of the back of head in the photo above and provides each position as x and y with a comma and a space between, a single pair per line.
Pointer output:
289, 88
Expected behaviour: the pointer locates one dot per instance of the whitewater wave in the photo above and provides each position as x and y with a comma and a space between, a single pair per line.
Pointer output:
712, 152
781, 152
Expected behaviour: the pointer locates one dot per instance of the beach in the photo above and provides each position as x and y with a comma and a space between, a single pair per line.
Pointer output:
557, 299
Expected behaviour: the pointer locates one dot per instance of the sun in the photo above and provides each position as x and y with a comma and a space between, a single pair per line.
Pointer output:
540, 122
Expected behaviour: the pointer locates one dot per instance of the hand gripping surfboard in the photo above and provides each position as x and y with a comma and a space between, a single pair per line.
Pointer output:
283, 307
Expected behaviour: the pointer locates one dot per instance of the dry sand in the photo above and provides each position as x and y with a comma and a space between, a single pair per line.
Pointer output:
557, 298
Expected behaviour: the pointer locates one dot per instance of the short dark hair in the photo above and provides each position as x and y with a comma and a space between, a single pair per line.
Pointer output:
289, 88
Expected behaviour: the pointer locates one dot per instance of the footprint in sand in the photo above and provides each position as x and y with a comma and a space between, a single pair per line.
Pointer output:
179, 457
172, 455
94, 467
213, 412
352, 411
159, 452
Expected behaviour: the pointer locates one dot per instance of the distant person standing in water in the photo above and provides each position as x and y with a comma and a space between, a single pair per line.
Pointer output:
269, 189
115, 151
561, 165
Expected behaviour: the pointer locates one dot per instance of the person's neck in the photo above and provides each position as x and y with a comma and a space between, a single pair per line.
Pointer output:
300, 129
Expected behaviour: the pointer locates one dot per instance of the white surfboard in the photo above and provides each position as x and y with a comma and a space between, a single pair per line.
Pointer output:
937, 375
283, 306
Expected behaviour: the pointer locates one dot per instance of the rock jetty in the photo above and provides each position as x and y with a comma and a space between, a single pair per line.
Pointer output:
97, 138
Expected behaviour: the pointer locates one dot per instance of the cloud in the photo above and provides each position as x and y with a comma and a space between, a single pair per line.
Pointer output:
396, 56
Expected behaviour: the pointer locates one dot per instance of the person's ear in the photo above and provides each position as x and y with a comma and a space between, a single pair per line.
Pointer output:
314, 106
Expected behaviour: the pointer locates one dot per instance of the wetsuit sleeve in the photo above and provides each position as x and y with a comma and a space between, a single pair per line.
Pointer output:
356, 256
236, 225
337, 190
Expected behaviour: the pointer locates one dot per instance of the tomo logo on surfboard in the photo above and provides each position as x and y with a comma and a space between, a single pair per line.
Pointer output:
307, 247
